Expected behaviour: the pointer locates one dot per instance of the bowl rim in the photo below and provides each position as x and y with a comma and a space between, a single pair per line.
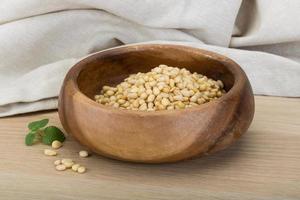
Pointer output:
232, 66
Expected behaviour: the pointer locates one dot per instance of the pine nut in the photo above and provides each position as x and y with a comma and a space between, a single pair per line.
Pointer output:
83, 154
81, 170
56, 144
49, 152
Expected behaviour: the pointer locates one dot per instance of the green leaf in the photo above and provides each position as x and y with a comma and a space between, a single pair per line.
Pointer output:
30, 139
52, 133
38, 124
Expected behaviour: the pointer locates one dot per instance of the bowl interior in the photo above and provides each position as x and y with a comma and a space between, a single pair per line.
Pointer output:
113, 66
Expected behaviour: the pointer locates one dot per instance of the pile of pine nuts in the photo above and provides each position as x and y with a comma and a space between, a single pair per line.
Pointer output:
66, 163
163, 88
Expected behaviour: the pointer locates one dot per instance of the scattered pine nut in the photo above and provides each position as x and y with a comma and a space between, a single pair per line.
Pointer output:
57, 162
68, 164
49, 152
60, 168
56, 144
75, 167
66, 160
83, 154
81, 170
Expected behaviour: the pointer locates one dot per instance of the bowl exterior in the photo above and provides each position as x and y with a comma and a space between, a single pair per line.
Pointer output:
164, 136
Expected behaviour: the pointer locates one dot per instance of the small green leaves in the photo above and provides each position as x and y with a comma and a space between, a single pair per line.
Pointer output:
52, 133
30, 138
38, 133
33, 126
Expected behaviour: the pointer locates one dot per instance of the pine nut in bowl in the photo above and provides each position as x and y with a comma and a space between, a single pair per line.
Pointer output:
134, 128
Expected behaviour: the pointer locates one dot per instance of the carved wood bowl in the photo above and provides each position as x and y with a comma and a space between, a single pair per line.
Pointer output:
160, 136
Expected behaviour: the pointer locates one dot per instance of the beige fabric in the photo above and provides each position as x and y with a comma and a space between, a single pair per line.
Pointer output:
41, 40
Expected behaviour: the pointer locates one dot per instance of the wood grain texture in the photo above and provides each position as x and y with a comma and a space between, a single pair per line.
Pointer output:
263, 165
162, 136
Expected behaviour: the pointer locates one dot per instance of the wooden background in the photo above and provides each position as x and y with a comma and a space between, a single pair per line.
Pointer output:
264, 164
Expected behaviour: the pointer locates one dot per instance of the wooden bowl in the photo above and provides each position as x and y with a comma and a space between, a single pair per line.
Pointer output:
161, 136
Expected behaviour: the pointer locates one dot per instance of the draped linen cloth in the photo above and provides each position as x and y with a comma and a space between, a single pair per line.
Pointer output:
41, 40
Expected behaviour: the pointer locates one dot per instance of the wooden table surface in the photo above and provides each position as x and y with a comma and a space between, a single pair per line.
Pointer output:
264, 164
